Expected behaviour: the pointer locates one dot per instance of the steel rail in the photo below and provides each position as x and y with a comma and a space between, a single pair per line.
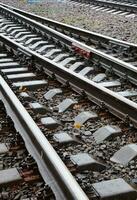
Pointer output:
116, 104
120, 68
65, 28
127, 1
110, 4
51, 167
117, 5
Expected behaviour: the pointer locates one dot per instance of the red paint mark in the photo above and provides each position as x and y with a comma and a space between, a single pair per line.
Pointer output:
82, 52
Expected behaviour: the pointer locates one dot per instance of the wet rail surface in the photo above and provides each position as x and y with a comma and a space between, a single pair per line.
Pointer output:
89, 118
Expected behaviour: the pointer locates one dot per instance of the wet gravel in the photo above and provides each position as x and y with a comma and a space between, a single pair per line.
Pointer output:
120, 27
85, 142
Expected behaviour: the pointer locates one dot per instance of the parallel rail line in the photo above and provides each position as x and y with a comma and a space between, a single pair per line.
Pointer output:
40, 149
116, 48
113, 65
118, 6
107, 44
127, 1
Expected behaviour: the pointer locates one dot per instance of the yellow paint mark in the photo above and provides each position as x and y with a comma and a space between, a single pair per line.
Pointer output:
77, 125
22, 89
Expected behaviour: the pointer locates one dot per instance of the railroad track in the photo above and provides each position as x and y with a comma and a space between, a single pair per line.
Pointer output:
116, 48
132, 2
91, 126
19, 174
23, 168
114, 7
66, 52
66, 123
